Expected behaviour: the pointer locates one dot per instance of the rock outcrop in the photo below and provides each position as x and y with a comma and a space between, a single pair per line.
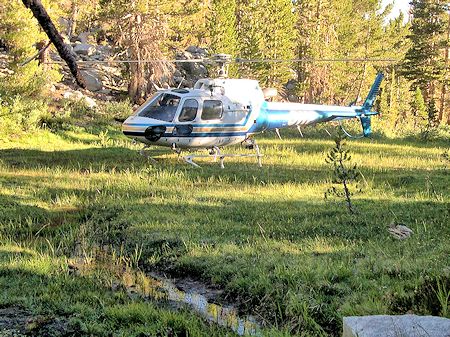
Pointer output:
83, 49
92, 79
187, 73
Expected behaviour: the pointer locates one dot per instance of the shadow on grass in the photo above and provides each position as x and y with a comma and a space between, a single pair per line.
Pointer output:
7, 253
40, 299
234, 215
170, 229
118, 159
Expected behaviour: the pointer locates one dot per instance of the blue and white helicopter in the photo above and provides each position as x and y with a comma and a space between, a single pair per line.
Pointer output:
221, 111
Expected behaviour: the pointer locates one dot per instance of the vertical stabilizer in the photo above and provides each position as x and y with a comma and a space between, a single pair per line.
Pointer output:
368, 103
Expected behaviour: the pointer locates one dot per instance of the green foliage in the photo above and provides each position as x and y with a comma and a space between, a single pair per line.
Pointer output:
188, 23
19, 29
343, 30
71, 114
222, 27
446, 157
23, 93
430, 127
443, 296
31, 80
222, 30
432, 114
344, 172
20, 114
58, 120
116, 109
267, 31
424, 63
419, 109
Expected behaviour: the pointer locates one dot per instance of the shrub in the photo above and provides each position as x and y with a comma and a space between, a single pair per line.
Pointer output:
21, 113
117, 110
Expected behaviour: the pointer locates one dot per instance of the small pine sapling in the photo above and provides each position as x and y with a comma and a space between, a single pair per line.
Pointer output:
344, 172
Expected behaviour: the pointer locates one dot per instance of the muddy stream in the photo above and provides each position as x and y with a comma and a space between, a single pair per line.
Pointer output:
198, 298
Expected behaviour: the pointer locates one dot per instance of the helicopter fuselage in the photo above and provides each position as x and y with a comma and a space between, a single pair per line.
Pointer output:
220, 112
216, 112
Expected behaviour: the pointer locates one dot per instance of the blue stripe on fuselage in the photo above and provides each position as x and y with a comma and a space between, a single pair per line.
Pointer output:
199, 134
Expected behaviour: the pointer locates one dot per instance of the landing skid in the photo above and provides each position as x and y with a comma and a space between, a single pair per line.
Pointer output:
216, 153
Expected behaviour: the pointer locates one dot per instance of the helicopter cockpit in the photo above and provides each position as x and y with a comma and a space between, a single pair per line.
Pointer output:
162, 106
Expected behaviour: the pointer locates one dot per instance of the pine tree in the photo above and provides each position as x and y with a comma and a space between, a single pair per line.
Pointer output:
344, 171
139, 29
266, 30
342, 29
432, 114
249, 35
424, 64
19, 30
21, 34
278, 32
316, 39
187, 23
419, 110
222, 27
222, 30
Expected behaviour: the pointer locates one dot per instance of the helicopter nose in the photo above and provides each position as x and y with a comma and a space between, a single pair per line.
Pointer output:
154, 132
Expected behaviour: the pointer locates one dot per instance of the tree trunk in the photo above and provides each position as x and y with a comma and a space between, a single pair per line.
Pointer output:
358, 94
391, 91
43, 53
137, 69
444, 84
442, 101
49, 28
73, 19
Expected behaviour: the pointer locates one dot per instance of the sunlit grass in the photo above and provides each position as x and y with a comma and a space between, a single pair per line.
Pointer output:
264, 235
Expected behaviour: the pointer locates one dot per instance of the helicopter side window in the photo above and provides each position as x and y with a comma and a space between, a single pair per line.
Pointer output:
162, 108
212, 109
189, 111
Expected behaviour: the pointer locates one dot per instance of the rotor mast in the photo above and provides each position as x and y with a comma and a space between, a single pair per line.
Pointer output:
223, 61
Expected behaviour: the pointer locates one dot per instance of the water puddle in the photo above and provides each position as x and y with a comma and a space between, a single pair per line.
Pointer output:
182, 292
159, 288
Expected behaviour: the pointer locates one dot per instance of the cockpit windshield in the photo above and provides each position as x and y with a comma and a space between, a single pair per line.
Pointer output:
162, 107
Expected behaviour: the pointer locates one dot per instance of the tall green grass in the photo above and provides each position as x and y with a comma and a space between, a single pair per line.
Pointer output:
264, 235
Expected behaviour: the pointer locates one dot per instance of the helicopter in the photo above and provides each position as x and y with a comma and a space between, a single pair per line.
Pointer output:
222, 111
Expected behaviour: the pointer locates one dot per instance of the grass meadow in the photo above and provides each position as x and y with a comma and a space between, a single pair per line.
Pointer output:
81, 211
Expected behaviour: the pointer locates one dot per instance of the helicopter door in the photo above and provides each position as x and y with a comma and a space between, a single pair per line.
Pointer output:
187, 115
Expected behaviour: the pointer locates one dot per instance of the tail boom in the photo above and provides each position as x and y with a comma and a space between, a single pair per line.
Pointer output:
280, 115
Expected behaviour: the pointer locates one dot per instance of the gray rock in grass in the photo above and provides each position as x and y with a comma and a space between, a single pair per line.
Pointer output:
396, 326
